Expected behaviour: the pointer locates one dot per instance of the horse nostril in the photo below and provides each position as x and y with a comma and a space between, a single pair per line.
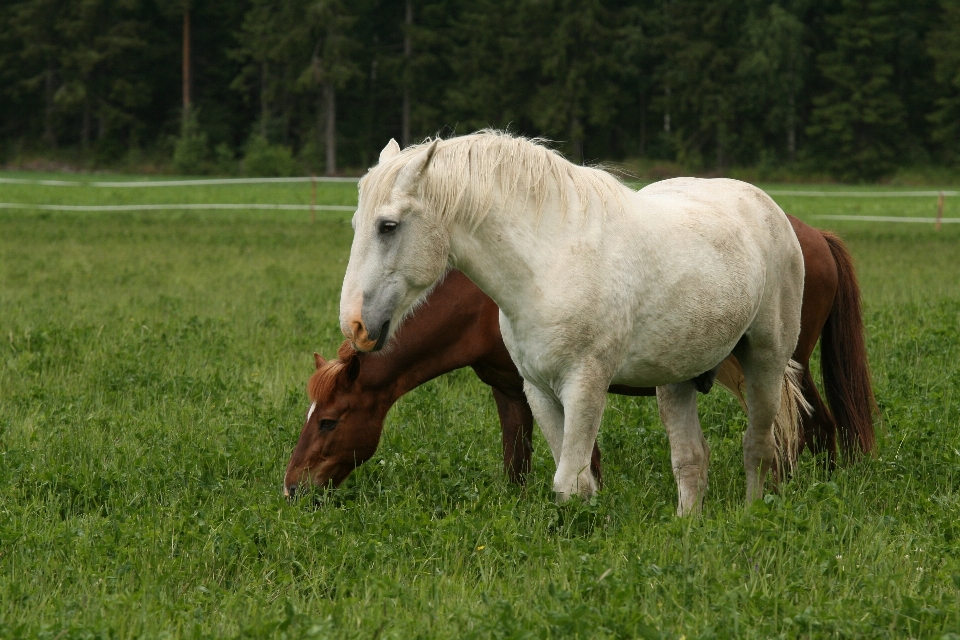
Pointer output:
290, 491
359, 331
382, 338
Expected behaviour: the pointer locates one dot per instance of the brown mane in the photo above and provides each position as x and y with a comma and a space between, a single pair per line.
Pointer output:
323, 382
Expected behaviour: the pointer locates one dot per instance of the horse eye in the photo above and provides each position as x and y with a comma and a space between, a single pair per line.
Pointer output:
386, 227
328, 425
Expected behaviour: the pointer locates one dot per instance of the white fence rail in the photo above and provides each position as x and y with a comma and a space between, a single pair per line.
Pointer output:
174, 207
312, 207
863, 194
173, 183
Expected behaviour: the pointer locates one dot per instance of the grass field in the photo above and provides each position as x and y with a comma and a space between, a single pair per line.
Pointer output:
152, 368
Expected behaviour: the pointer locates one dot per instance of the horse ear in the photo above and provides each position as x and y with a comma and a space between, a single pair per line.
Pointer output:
416, 168
318, 360
389, 151
351, 372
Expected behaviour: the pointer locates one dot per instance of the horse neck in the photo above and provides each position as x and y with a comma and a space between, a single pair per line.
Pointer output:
509, 252
449, 333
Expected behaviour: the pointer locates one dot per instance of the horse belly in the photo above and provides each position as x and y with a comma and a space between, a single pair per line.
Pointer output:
675, 344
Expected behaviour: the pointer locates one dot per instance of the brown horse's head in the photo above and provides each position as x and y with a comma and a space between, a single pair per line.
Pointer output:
342, 427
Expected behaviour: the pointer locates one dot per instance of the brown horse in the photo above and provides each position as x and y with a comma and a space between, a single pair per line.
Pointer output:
458, 326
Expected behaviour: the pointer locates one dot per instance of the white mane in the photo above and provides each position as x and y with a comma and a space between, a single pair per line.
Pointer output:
466, 173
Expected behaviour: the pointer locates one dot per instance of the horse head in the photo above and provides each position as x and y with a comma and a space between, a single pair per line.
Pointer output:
400, 247
342, 427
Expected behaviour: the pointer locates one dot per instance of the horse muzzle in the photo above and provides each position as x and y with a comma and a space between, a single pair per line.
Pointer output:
366, 340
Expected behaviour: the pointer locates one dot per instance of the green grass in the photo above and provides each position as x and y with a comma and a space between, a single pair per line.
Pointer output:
151, 389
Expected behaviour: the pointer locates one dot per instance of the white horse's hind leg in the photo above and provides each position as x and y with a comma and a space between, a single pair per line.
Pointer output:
764, 381
689, 453
549, 414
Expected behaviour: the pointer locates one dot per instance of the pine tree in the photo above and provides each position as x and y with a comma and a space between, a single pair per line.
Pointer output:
495, 66
769, 80
34, 32
944, 48
578, 82
96, 37
855, 123
700, 44
332, 66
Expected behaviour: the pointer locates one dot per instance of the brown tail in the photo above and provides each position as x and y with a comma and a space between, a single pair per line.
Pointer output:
843, 361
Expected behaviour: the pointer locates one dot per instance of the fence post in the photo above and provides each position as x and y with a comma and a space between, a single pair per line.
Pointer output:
313, 199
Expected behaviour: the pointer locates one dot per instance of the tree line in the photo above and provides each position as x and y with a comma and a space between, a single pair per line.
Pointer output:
855, 87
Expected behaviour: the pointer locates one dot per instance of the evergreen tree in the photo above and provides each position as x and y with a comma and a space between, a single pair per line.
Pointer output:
635, 50
855, 123
97, 37
275, 42
579, 75
856, 86
332, 66
700, 43
33, 30
770, 78
944, 48
492, 58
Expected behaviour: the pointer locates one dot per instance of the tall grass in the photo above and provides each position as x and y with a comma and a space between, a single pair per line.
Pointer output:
151, 388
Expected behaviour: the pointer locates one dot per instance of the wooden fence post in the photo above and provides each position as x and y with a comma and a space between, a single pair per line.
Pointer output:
313, 199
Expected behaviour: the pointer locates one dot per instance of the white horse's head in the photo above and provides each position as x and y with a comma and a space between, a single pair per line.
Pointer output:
400, 248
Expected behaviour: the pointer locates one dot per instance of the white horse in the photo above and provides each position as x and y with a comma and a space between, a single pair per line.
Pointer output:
597, 285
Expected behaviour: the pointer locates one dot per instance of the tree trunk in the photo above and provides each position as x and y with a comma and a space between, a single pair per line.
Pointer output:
330, 136
264, 106
370, 145
85, 126
187, 101
407, 50
643, 124
721, 134
576, 137
101, 121
666, 113
49, 135
791, 129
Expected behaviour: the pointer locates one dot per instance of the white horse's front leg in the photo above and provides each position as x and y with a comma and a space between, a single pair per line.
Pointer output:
689, 452
583, 404
549, 414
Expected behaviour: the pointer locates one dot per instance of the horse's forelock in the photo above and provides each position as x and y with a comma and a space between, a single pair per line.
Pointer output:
324, 380
346, 352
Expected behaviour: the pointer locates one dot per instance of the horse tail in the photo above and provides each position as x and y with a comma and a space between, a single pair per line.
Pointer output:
786, 425
843, 360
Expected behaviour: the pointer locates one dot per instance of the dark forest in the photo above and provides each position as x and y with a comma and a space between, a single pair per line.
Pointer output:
851, 88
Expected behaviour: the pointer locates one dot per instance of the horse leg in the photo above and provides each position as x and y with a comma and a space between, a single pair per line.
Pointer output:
583, 403
819, 429
689, 453
516, 424
763, 371
549, 414
550, 418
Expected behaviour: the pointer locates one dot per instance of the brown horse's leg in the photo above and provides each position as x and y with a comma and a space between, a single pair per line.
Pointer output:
595, 465
819, 428
516, 423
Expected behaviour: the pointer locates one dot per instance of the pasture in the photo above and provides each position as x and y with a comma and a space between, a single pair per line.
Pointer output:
152, 372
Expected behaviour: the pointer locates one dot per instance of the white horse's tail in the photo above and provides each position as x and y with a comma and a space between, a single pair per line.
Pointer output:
786, 426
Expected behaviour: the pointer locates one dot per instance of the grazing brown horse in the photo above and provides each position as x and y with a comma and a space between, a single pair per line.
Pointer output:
458, 326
